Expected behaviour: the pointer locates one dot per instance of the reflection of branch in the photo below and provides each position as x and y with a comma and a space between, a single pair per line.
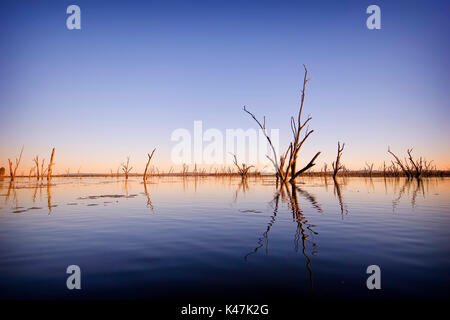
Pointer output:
396, 201
311, 198
269, 226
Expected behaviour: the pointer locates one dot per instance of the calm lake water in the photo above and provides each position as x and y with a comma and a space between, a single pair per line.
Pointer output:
202, 239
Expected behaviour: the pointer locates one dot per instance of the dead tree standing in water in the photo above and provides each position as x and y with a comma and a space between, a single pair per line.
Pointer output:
148, 163
36, 162
417, 165
413, 169
12, 172
400, 164
50, 165
288, 166
126, 169
369, 169
337, 164
243, 171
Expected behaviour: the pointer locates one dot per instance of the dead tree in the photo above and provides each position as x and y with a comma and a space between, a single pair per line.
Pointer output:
50, 166
406, 170
43, 171
148, 163
36, 162
394, 169
243, 171
288, 166
369, 169
416, 164
325, 168
12, 172
30, 173
337, 164
427, 167
126, 168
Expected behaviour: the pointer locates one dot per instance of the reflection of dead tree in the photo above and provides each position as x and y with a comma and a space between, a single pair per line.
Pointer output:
243, 171
288, 166
243, 184
8, 194
35, 192
126, 168
337, 164
148, 163
11, 187
49, 197
304, 232
50, 165
301, 220
149, 201
337, 191
371, 186
12, 172
407, 183
418, 188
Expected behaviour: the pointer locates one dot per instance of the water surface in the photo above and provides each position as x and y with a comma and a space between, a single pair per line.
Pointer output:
206, 238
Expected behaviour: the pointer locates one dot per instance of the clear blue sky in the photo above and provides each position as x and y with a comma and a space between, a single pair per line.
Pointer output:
137, 70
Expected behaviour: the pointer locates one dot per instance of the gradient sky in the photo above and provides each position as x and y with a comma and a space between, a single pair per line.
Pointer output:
137, 70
